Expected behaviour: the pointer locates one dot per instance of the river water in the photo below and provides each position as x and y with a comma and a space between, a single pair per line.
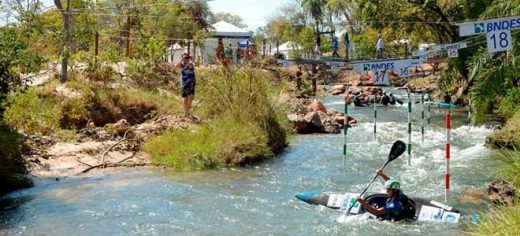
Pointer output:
259, 200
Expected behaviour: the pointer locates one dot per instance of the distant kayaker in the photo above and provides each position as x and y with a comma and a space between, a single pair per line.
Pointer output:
396, 205
357, 100
447, 98
385, 99
392, 99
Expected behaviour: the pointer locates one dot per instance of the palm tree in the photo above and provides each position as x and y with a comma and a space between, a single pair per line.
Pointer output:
340, 7
315, 9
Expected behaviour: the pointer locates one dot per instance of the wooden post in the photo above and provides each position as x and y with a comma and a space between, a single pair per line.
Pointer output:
96, 38
65, 52
263, 48
128, 27
96, 46
189, 47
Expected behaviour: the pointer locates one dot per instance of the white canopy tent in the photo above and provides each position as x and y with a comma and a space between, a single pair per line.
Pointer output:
229, 33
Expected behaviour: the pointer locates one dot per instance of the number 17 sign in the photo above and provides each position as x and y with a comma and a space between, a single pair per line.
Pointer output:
498, 41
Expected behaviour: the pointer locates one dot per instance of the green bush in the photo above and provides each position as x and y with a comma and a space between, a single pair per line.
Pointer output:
246, 123
12, 168
503, 220
509, 105
246, 94
224, 142
33, 111
510, 170
142, 73
509, 135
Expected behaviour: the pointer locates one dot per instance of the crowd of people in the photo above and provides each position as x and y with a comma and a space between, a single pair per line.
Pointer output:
227, 55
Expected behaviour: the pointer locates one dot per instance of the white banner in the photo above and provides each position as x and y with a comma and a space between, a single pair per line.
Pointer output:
486, 26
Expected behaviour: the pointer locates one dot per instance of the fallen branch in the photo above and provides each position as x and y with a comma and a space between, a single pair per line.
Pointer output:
115, 164
111, 147
80, 162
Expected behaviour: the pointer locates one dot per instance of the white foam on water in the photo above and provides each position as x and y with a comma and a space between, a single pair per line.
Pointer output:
353, 219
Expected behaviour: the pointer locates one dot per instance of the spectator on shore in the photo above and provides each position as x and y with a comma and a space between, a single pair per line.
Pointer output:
187, 67
380, 47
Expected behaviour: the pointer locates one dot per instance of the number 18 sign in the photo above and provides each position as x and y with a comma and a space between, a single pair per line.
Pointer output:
498, 41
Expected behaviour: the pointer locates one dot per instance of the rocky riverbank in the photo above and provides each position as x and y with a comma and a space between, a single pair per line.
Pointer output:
310, 116
114, 145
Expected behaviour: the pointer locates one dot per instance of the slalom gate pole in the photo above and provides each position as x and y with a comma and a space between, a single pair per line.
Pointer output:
469, 114
409, 129
375, 119
429, 109
448, 146
422, 117
345, 131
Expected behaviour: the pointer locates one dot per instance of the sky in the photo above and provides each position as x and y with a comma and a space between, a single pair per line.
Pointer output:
254, 12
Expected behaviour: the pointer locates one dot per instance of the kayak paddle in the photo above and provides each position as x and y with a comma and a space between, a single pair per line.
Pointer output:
397, 150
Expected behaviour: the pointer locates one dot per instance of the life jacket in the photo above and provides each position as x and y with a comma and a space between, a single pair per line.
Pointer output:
357, 101
408, 208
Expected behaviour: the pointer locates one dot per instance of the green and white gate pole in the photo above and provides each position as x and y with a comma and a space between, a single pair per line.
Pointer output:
375, 118
429, 109
345, 129
409, 129
469, 113
422, 117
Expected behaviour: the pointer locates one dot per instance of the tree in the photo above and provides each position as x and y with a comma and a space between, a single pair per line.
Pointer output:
230, 18
65, 49
342, 7
15, 58
315, 9
26, 12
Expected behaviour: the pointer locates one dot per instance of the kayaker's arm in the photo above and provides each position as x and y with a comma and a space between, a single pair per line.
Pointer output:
370, 208
382, 174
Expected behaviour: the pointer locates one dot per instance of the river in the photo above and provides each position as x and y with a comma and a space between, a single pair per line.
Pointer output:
259, 200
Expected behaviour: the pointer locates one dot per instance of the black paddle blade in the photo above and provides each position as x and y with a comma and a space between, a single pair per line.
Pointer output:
397, 150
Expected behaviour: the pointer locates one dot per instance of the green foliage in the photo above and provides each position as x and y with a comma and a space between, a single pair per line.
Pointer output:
41, 110
247, 123
15, 57
509, 105
492, 76
142, 73
223, 142
509, 135
502, 220
365, 43
12, 167
510, 169
33, 111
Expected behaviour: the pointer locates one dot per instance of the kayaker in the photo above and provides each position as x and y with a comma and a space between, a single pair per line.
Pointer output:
392, 99
357, 100
447, 98
394, 208
385, 99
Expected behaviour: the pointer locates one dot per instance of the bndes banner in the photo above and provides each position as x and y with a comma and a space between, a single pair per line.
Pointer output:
380, 69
